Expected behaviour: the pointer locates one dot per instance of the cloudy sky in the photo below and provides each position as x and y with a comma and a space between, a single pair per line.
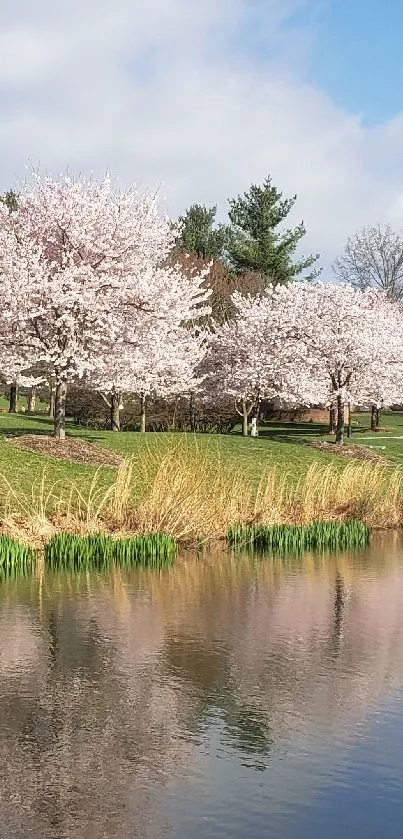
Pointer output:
208, 96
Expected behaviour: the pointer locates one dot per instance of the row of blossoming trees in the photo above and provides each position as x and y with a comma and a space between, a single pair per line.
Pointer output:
310, 344
87, 292
90, 292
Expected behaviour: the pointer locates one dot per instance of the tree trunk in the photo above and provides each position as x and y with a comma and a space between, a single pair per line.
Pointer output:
378, 418
59, 427
373, 418
332, 420
142, 412
349, 421
115, 412
245, 419
173, 424
340, 420
192, 413
51, 409
13, 408
31, 400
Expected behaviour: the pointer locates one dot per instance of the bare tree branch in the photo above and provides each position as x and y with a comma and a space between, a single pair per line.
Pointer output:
373, 257
107, 401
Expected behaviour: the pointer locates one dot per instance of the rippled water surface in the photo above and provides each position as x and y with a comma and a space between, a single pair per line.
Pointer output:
222, 698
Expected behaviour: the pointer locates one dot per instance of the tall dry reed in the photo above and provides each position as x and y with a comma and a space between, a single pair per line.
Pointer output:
195, 494
187, 492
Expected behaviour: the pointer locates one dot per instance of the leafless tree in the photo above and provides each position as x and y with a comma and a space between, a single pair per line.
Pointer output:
373, 257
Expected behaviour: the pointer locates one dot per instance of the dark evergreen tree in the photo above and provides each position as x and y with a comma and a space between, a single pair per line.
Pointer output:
10, 198
199, 236
258, 244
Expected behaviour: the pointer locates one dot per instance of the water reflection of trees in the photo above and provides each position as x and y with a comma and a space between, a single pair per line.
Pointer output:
205, 671
316, 640
107, 684
79, 737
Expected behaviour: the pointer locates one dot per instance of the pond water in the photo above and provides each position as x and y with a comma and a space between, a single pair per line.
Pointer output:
227, 697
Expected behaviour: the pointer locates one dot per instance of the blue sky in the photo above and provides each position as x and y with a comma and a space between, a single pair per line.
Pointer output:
205, 97
357, 55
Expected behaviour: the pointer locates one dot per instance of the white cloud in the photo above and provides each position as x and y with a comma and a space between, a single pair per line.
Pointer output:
204, 96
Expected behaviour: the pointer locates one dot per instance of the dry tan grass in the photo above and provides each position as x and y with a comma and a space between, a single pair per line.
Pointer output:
195, 496
187, 492
27, 516
367, 491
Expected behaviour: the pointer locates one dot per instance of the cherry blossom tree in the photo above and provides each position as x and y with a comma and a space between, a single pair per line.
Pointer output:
378, 388
255, 356
78, 261
153, 359
10, 371
349, 336
339, 324
13, 362
31, 383
307, 343
16, 371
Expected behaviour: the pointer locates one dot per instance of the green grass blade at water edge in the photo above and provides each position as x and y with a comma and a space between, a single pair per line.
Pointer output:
13, 552
16, 558
282, 538
154, 550
97, 551
66, 550
10, 572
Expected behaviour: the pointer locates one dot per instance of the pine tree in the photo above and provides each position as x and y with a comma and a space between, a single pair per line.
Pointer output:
10, 199
199, 236
256, 242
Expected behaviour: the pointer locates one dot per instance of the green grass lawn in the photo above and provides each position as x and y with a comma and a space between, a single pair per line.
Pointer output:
22, 403
283, 445
388, 444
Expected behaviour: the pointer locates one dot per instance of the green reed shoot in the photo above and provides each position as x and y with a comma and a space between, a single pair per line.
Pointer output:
16, 558
99, 551
283, 538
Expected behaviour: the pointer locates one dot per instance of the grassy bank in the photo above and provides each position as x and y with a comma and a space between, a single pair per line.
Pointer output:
388, 443
100, 552
195, 488
285, 446
185, 491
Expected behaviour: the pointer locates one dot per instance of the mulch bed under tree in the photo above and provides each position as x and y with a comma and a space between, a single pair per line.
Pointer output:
350, 451
71, 448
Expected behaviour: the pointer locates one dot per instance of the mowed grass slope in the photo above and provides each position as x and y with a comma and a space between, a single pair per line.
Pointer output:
193, 487
283, 445
388, 443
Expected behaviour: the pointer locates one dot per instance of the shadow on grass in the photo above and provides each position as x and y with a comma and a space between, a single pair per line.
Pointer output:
295, 427
302, 433
19, 425
13, 428
288, 432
